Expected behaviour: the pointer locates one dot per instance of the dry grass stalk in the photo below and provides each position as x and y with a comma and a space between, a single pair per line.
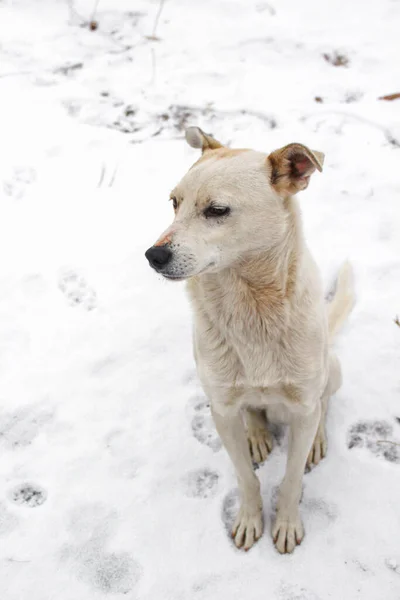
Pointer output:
390, 97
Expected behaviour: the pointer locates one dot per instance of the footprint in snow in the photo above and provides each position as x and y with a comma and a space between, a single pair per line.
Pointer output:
202, 423
375, 436
92, 527
19, 180
319, 508
18, 429
201, 483
230, 509
28, 494
76, 290
108, 572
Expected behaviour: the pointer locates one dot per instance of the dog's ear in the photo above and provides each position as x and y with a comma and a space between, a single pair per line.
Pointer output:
196, 138
292, 167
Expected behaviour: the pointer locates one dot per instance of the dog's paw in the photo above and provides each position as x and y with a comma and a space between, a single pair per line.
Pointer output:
287, 532
318, 450
248, 527
260, 443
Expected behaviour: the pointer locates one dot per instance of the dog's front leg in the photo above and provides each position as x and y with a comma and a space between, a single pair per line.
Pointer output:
288, 530
248, 525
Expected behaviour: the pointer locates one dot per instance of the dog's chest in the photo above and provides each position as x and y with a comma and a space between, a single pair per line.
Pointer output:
239, 339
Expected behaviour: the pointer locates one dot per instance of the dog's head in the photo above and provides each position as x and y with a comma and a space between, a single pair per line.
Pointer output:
229, 205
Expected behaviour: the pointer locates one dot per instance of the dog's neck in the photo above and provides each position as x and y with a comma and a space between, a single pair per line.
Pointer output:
270, 272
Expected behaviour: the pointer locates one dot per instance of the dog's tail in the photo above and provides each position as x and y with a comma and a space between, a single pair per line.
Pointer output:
342, 302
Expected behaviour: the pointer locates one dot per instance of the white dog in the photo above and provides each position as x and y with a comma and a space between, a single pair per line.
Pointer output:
262, 331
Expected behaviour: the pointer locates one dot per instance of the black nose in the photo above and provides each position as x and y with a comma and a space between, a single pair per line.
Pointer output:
158, 256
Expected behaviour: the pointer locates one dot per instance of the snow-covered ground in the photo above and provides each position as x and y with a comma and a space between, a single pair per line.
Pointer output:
112, 479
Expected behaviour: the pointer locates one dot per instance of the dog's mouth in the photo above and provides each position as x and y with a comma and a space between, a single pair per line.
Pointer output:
172, 277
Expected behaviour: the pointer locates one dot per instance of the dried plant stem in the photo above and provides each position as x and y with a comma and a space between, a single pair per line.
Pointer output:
96, 3
388, 442
158, 15
390, 97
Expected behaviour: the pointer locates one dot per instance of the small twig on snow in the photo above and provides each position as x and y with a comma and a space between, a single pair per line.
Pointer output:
96, 4
153, 36
390, 97
397, 321
388, 442
114, 175
103, 172
15, 560
93, 24
67, 68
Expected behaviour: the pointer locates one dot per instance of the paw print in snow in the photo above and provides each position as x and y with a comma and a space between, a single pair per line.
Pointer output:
230, 508
20, 428
76, 290
201, 483
202, 423
20, 178
375, 436
92, 528
28, 494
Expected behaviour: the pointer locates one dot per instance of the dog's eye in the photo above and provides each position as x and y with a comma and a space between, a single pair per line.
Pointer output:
174, 202
216, 211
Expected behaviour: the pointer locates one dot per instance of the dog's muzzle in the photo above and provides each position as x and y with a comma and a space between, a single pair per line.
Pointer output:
158, 257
